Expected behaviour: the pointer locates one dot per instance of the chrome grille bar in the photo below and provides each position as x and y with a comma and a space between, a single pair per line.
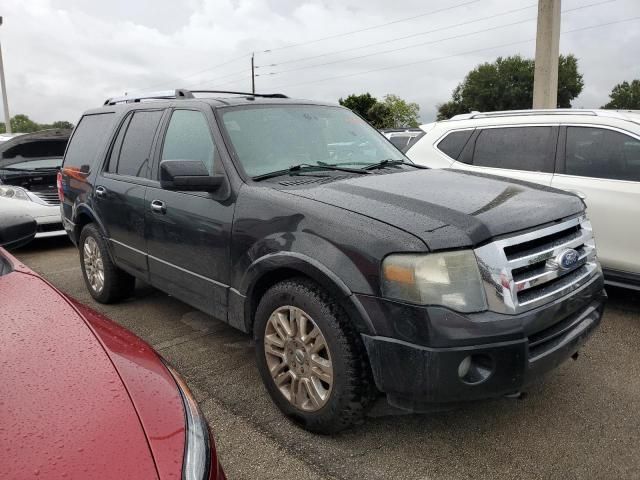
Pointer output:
521, 272
51, 198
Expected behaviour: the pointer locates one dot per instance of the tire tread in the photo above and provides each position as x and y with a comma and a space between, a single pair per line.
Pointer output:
359, 391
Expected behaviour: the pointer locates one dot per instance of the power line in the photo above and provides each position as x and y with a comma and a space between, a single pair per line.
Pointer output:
431, 42
230, 81
164, 84
419, 34
246, 55
402, 38
219, 77
433, 12
450, 56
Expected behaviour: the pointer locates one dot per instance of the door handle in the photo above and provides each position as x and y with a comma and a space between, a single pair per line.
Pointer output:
158, 206
100, 191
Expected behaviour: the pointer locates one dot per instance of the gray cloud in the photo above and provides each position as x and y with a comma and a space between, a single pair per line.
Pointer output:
65, 56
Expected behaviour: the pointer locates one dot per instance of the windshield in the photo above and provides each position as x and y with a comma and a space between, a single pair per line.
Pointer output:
275, 137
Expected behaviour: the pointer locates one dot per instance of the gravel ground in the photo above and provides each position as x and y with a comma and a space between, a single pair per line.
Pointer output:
581, 421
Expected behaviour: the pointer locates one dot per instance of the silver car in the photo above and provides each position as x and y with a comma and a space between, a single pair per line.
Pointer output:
29, 164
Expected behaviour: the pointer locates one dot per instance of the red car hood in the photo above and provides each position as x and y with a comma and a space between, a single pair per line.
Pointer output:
64, 410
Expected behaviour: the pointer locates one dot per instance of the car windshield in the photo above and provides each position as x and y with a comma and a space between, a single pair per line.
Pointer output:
272, 138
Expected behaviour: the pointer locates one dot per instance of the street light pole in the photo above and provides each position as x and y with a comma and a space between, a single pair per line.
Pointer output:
545, 80
3, 86
253, 76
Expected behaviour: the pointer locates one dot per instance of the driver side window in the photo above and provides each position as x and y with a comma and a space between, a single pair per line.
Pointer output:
188, 137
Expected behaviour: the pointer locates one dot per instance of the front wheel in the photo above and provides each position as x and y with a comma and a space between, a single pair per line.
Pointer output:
310, 358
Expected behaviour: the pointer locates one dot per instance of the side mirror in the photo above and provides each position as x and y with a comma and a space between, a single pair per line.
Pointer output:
188, 175
16, 229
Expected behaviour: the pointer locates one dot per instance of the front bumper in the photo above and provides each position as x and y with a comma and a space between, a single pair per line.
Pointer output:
416, 376
49, 226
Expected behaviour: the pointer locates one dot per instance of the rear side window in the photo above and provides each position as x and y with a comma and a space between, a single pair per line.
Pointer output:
88, 141
453, 144
188, 138
516, 148
602, 153
136, 144
117, 145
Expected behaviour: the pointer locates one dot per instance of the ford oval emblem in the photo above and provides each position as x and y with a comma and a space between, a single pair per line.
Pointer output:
567, 259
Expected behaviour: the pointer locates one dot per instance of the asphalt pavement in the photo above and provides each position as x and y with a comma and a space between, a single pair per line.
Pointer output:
580, 421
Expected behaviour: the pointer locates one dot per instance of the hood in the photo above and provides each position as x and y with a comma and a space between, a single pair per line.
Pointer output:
42, 144
448, 209
64, 409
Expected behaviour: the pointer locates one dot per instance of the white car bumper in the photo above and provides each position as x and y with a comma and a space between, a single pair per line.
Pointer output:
47, 217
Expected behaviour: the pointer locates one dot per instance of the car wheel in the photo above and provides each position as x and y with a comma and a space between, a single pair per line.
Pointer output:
310, 358
106, 282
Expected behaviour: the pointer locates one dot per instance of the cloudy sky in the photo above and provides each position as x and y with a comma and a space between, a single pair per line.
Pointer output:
64, 56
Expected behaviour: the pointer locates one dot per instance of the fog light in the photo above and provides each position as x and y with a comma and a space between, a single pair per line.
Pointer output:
475, 369
463, 368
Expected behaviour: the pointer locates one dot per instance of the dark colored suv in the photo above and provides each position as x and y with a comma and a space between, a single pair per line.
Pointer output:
356, 271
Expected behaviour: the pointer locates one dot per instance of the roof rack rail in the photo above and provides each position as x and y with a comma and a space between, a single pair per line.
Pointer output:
164, 95
538, 111
262, 95
181, 93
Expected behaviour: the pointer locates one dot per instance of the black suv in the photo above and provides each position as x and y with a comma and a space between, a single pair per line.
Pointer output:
356, 271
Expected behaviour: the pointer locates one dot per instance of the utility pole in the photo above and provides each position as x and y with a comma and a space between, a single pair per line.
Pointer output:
7, 118
253, 75
545, 80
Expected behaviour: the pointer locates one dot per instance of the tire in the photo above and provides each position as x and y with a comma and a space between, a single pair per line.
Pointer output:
335, 405
115, 284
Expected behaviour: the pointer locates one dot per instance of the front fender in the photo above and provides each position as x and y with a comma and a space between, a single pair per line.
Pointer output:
309, 267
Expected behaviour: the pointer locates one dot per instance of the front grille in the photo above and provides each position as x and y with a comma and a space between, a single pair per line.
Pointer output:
50, 198
521, 272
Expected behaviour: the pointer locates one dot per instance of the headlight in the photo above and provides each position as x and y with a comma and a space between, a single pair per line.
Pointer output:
451, 279
197, 452
17, 193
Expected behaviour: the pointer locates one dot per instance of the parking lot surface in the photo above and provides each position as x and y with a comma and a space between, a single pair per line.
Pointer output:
581, 421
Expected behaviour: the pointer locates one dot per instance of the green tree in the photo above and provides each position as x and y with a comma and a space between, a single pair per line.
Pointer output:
62, 124
379, 115
23, 124
507, 84
401, 112
625, 96
361, 104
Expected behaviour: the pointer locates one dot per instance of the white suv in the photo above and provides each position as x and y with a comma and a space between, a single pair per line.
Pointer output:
594, 153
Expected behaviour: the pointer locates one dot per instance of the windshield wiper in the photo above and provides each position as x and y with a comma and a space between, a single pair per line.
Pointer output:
308, 166
390, 162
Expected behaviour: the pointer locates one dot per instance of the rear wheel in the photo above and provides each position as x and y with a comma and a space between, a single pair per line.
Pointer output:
106, 282
311, 360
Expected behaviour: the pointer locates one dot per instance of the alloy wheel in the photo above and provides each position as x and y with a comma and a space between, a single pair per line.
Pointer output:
298, 358
93, 266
